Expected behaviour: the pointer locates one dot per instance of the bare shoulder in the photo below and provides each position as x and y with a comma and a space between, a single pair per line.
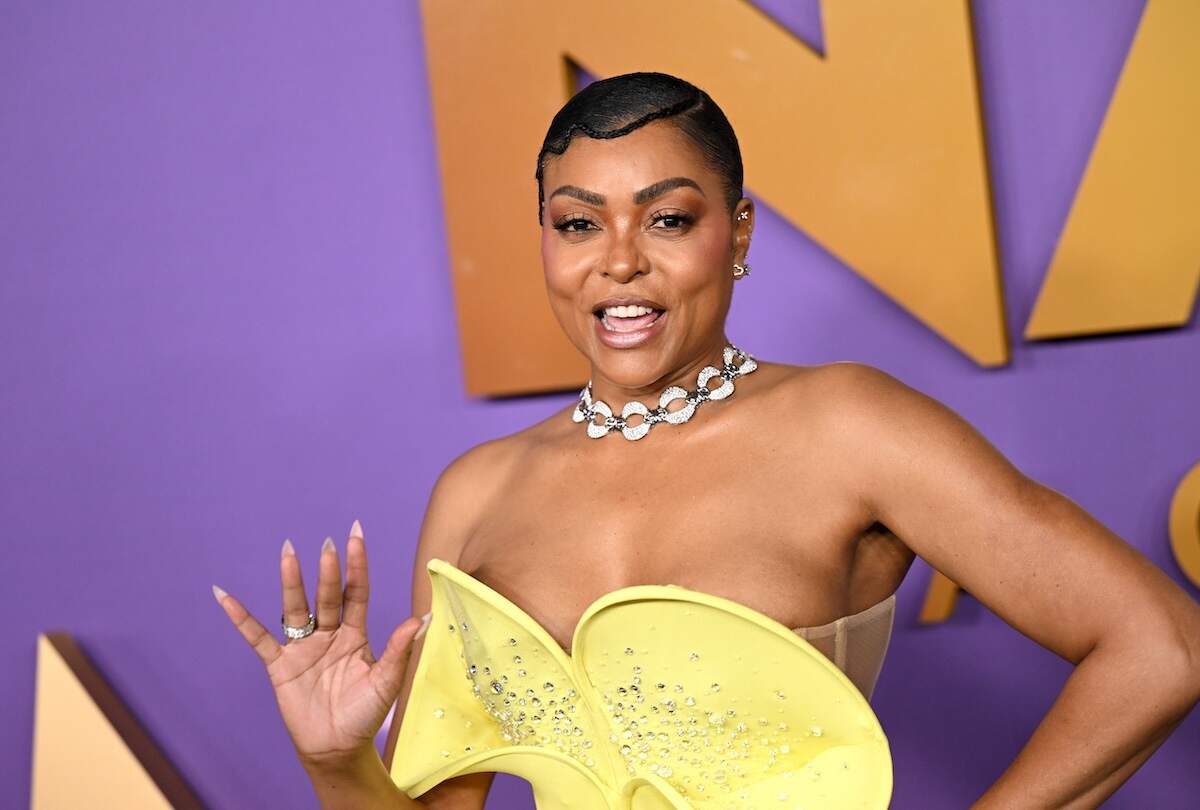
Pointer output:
870, 423
849, 392
468, 485
842, 383
857, 396
464, 487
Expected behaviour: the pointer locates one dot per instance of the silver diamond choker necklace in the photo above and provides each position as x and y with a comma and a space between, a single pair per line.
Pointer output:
587, 409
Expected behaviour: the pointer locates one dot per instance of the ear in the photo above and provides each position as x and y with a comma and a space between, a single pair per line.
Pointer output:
743, 226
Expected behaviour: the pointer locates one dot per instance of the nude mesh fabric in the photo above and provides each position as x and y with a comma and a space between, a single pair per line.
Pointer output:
858, 643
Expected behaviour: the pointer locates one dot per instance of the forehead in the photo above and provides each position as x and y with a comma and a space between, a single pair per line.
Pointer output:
644, 156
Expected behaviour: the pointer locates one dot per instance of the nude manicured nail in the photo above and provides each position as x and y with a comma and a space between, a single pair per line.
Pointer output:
424, 626
219, 594
328, 546
287, 549
356, 529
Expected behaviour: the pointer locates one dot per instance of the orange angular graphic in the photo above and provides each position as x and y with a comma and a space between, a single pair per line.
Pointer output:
88, 748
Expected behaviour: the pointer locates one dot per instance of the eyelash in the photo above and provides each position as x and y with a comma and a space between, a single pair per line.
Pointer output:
684, 220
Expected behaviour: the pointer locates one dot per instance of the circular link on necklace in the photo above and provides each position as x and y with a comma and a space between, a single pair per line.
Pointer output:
587, 409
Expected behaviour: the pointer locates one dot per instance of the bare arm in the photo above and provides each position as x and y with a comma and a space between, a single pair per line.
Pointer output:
357, 784
1047, 568
449, 519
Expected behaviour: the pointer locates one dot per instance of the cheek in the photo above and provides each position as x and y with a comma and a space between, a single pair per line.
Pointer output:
562, 261
561, 270
707, 260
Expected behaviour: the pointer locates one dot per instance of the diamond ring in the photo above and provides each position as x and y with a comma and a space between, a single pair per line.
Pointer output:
298, 632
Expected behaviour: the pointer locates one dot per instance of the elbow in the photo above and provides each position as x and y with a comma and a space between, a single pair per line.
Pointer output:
1189, 688
1171, 680
1193, 675
1176, 655
1190, 679
1167, 660
1189, 640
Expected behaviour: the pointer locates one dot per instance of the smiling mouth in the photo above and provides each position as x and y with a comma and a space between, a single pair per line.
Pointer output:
621, 319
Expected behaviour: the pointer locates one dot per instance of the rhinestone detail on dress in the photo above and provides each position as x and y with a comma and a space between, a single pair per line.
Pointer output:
665, 695
678, 727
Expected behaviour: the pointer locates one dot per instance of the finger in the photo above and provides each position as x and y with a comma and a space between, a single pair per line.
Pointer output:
354, 599
256, 635
329, 587
295, 602
387, 676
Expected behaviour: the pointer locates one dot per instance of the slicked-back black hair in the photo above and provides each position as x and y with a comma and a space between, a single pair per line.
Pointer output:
610, 108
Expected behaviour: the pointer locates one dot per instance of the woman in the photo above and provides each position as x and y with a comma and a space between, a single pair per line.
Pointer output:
801, 493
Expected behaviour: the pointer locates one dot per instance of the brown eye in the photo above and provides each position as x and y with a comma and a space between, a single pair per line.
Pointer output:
674, 222
572, 225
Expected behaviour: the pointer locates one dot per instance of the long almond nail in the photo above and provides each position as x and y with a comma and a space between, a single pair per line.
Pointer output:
287, 549
424, 626
356, 530
219, 594
328, 546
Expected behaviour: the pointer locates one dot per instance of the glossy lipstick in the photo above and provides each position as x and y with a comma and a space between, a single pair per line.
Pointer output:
631, 331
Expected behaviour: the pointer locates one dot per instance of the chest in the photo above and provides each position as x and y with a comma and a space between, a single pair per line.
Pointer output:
737, 519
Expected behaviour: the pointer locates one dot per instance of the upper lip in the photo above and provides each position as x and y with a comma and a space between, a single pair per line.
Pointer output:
626, 301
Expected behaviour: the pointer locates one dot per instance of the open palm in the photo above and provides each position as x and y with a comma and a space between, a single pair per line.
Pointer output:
332, 693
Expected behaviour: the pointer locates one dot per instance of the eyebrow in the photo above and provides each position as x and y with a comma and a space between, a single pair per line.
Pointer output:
640, 197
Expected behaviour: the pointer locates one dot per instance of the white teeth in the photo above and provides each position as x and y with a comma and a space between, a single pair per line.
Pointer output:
627, 312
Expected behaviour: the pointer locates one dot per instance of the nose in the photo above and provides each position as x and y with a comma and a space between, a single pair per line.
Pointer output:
624, 261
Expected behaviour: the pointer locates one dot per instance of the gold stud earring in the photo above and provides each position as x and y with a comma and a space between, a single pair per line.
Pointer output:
740, 271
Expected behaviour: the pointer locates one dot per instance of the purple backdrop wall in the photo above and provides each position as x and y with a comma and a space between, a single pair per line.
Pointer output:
227, 320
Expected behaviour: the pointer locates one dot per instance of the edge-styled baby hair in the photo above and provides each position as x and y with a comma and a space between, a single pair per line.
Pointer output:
610, 108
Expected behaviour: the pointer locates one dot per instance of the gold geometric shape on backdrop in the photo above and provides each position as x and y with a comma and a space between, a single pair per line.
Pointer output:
1129, 256
940, 597
1184, 525
876, 150
88, 748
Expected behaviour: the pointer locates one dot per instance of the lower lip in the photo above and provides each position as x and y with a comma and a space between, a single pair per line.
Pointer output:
628, 340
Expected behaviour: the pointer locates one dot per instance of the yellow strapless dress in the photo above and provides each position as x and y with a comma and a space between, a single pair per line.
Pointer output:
670, 699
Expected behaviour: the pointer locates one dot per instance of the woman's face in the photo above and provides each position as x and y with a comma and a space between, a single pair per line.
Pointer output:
640, 222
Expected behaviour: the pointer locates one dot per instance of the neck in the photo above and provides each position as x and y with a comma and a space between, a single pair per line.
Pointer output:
684, 376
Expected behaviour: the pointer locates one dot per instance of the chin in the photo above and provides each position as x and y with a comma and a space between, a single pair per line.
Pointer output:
632, 368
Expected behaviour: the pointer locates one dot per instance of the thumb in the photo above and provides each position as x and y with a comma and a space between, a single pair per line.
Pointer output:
388, 671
